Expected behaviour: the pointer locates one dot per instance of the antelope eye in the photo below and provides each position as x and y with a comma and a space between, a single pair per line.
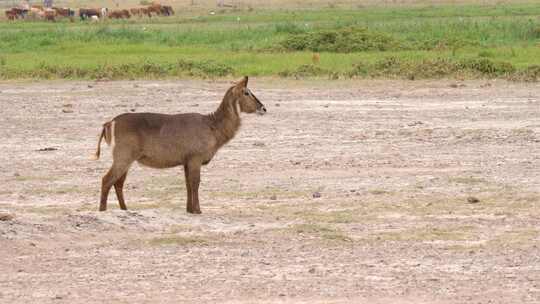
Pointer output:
246, 93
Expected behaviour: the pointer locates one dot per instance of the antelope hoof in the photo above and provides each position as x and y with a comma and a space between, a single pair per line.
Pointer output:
194, 211
101, 208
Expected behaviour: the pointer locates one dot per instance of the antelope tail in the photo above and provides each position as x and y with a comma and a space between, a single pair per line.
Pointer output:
104, 131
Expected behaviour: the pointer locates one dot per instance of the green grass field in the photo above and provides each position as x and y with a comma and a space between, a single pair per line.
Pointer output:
397, 42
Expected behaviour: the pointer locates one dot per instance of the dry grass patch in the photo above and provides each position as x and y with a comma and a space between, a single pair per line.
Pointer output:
333, 217
379, 192
459, 233
467, 180
178, 240
320, 231
515, 238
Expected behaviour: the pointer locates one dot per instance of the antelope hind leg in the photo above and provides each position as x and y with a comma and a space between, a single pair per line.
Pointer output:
115, 173
119, 188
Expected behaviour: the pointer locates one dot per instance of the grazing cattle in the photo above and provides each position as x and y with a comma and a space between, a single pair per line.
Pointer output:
11, 15
16, 13
167, 10
64, 12
154, 8
85, 13
126, 13
49, 14
36, 13
115, 14
119, 14
104, 12
146, 11
135, 11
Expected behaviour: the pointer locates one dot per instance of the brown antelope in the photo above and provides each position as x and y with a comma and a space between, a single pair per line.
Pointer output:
165, 141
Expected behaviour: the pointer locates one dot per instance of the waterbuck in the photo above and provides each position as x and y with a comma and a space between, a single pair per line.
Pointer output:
165, 141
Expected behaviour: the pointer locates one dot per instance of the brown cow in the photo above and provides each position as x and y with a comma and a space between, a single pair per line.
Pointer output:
64, 12
119, 14
16, 13
154, 8
115, 14
146, 11
85, 13
11, 15
135, 11
49, 15
167, 10
126, 14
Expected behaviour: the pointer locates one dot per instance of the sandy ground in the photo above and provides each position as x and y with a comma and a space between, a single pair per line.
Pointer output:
346, 192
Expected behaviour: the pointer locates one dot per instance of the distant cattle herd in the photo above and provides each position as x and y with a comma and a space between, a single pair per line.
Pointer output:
38, 12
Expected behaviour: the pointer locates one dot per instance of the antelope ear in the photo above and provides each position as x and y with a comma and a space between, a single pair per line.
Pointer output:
243, 83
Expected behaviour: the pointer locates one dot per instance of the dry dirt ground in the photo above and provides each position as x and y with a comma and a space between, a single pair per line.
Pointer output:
346, 192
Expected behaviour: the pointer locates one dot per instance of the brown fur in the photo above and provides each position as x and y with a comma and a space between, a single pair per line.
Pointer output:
15, 13
154, 8
11, 15
146, 11
167, 10
135, 11
126, 13
165, 141
49, 14
64, 12
119, 14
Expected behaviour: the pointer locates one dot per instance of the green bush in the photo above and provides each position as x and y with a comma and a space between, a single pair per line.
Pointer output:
440, 68
144, 69
487, 67
345, 40
207, 68
303, 71
531, 73
289, 28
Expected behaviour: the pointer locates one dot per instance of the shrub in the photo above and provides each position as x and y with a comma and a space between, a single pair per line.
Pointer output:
303, 71
441, 67
345, 40
531, 73
486, 66
289, 28
208, 68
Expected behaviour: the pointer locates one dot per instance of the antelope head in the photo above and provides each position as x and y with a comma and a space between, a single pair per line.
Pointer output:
247, 101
